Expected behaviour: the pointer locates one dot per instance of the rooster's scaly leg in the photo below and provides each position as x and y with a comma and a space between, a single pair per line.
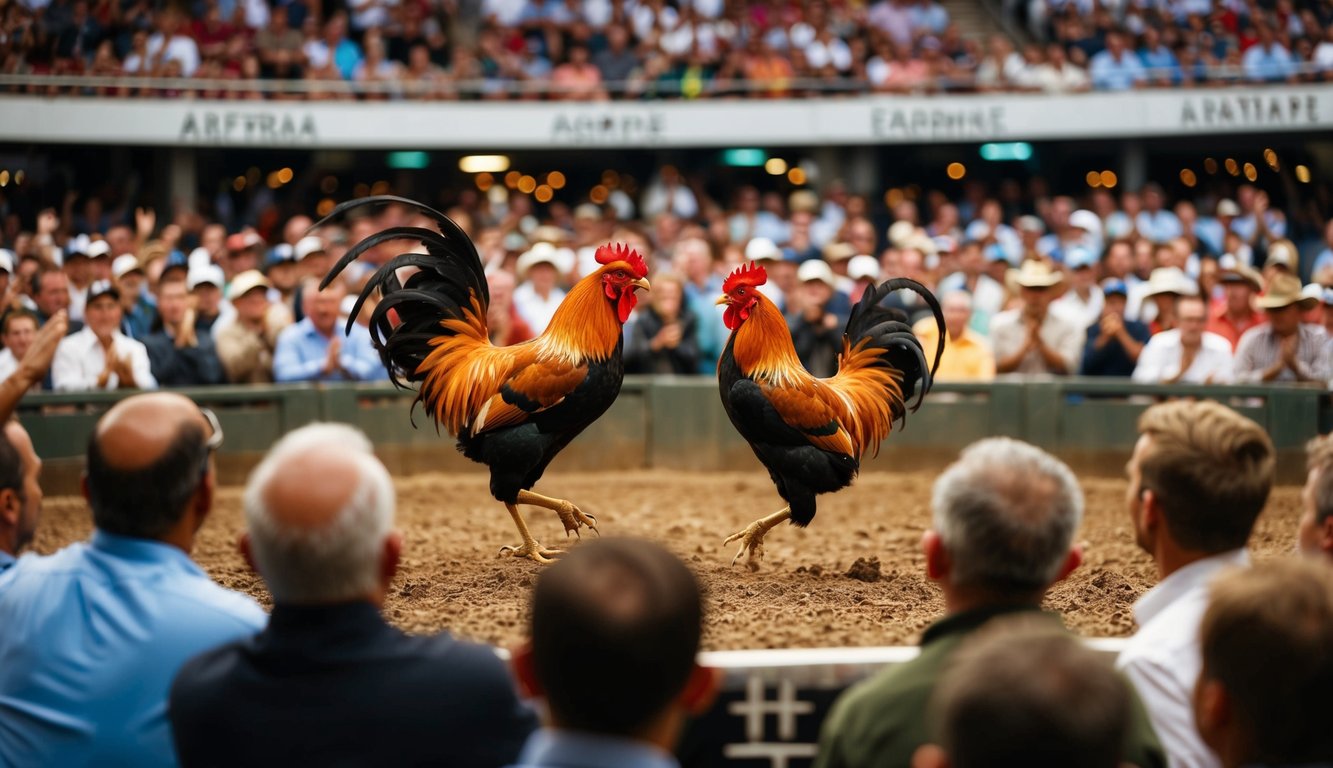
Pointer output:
570, 515
529, 548
752, 537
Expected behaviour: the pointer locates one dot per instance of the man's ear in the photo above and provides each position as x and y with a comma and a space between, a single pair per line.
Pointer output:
1212, 711
938, 564
700, 690
203, 497
10, 507
1072, 561
525, 671
243, 545
929, 756
393, 552
83, 487
1150, 512
1326, 535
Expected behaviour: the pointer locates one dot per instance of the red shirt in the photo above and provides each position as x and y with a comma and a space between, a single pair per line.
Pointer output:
1222, 325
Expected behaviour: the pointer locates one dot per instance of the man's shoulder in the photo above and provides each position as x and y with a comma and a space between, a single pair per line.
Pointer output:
1216, 343
1005, 320
1255, 335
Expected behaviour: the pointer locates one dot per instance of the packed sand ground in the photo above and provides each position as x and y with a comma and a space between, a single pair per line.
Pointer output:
853, 578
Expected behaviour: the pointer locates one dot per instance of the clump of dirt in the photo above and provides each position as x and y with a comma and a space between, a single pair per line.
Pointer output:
864, 570
803, 594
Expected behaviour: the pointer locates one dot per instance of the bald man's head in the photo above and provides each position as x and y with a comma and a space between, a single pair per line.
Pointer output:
146, 459
320, 542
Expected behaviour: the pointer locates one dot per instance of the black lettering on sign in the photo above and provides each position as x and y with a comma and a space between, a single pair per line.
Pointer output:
236, 127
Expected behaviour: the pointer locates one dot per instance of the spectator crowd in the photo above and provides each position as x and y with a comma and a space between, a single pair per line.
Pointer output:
1201, 291
648, 49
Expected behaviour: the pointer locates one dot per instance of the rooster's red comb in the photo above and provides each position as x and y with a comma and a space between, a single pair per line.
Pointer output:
613, 252
746, 274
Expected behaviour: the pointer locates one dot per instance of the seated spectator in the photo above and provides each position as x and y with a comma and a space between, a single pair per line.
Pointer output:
967, 356
20, 493
1114, 344
246, 346
279, 49
205, 286
1268, 61
1314, 533
502, 318
1027, 693
635, 608
1188, 353
1005, 515
181, 356
1116, 68
816, 328
1198, 479
1235, 315
1158, 295
1267, 666
1082, 300
100, 356
1032, 339
1162, 68
33, 369
328, 554
1057, 74
988, 295
17, 331
578, 79
137, 311
1284, 349
539, 295
1155, 221
664, 336
314, 349
95, 633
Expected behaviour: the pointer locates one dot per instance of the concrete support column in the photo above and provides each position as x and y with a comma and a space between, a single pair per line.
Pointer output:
1133, 164
182, 177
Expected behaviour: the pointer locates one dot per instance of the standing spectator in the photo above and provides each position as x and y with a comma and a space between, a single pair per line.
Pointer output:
1032, 339
1082, 301
180, 355
1199, 477
1162, 68
617, 61
1004, 515
95, 633
502, 319
749, 221
328, 554
100, 356
205, 287
1114, 343
1116, 68
245, 347
1186, 353
1155, 221
1314, 533
34, 367
1267, 666
816, 328
1284, 349
1236, 313
635, 608
333, 53
314, 349
1027, 693
966, 356
20, 493
668, 193
693, 261
78, 267
664, 336
138, 312
1258, 223
172, 43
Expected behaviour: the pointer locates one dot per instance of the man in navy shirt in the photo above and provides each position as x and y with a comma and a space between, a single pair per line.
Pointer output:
1114, 343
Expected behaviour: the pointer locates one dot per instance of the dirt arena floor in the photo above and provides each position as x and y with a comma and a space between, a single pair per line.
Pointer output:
853, 578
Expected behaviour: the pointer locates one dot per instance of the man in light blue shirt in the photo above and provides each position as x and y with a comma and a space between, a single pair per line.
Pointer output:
1267, 60
1155, 222
94, 634
315, 350
1116, 68
635, 608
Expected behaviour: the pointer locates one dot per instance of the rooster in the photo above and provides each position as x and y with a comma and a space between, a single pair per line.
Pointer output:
511, 408
810, 433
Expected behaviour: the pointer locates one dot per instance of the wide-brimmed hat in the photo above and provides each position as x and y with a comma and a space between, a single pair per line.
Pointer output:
839, 251
1170, 280
562, 259
1036, 274
1234, 271
247, 281
1285, 290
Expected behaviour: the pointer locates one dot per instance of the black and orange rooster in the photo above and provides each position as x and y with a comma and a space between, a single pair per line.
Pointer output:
810, 433
511, 408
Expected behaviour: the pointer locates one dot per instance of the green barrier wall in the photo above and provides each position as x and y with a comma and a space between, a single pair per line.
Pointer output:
678, 423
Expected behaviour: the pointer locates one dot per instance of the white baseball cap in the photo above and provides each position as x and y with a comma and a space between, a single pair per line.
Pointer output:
816, 269
761, 248
125, 264
863, 266
211, 274
308, 245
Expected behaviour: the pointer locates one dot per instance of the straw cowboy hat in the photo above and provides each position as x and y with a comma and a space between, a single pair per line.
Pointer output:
1284, 291
1036, 274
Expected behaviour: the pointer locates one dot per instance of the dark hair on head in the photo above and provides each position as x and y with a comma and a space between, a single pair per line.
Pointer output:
146, 502
615, 629
15, 314
11, 464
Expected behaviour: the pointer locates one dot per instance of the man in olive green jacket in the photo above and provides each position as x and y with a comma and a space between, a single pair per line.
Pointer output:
1005, 515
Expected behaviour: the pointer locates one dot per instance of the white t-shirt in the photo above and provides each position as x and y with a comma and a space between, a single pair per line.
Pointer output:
536, 311
1161, 356
80, 359
180, 48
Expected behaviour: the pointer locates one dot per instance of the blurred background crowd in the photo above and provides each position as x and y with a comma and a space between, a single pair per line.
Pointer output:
649, 49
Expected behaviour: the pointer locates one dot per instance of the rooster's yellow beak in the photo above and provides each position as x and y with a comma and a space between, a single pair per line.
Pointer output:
642, 283
723, 299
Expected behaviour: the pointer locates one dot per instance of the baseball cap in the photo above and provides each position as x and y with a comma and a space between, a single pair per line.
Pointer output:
863, 266
125, 264
1114, 285
308, 245
1030, 223
7, 258
103, 288
211, 274
1227, 208
815, 269
280, 254
1079, 258
99, 249
838, 251
247, 281
243, 240
175, 262
1086, 220
761, 248
1282, 253
77, 246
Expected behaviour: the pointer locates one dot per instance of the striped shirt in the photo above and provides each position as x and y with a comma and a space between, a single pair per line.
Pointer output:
1260, 349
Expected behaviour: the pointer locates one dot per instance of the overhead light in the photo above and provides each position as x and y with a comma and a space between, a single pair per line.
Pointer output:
776, 166
744, 157
956, 171
483, 163
1008, 150
1303, 174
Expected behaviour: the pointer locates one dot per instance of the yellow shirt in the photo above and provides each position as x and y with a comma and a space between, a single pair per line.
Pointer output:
967, 358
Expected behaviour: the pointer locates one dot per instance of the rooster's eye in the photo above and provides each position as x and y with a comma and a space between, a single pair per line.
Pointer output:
620, 273
740, 291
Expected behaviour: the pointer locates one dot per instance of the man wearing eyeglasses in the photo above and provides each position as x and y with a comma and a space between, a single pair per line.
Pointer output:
93, 634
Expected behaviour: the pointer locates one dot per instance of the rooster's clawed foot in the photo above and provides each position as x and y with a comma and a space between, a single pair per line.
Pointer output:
532, 551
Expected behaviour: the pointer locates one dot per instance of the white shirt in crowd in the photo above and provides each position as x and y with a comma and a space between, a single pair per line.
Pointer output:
1161, 357
535, 310
8, 363
1083, 312
1162, 659
80, 359
181, 48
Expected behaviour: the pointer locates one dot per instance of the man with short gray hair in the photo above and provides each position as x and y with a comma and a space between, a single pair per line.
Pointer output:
1005, 515
328, 677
